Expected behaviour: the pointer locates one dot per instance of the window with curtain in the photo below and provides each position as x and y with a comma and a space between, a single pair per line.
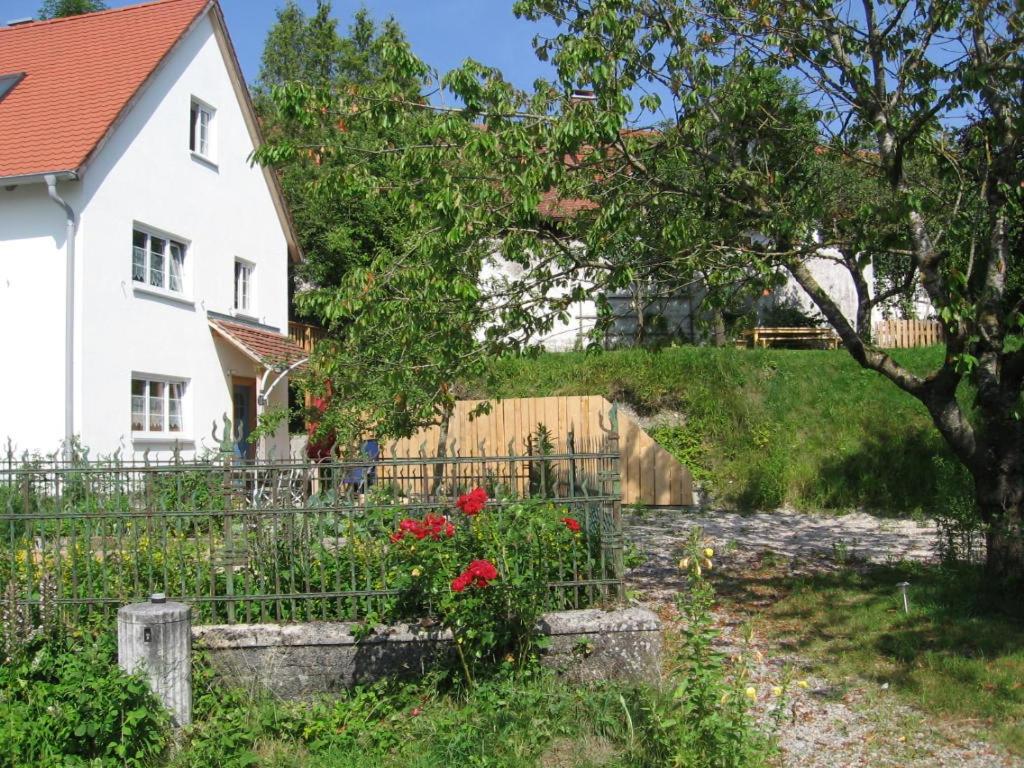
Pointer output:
158, 262
157, 405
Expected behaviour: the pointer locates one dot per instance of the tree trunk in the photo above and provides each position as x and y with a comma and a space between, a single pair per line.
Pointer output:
1001, 505
718, 327
442, 451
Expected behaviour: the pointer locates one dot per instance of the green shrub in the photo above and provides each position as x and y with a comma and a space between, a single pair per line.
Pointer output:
485, 576
64, 701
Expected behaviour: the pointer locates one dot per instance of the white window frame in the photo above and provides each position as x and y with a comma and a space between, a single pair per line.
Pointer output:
175, 250
201, 133
247, 307
166, 386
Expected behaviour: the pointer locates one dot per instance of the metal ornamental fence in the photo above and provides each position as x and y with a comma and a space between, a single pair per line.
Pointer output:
278, 541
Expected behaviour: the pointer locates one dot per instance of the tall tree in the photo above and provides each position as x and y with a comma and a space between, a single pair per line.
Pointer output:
742, 172
891, 82
54, 9
398, 297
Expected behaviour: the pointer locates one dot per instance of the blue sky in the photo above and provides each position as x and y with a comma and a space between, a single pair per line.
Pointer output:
442, 32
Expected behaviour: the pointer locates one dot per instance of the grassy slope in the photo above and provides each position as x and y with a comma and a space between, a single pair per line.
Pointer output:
765, 427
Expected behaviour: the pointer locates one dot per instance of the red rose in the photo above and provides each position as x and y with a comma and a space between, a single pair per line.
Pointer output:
396, 537
449, 530
473, 502
572, 524
460, 582
483, 569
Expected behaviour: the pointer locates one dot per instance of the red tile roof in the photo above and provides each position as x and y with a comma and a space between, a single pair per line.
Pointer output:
263, 346
81, 72
555, 207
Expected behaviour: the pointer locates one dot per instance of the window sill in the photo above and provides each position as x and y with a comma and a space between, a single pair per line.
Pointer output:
204, 160
149, 290
245, 315
162, 438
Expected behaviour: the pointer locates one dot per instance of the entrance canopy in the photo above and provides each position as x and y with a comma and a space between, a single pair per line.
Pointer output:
261, 344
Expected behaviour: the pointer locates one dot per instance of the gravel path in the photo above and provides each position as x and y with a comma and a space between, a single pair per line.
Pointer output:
825, 727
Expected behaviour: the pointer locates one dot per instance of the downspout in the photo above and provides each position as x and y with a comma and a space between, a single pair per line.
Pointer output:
69, 317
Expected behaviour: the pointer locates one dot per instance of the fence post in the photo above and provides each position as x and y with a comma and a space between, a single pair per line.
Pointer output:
614, 540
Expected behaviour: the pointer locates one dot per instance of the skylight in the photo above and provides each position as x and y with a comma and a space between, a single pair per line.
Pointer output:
7, 82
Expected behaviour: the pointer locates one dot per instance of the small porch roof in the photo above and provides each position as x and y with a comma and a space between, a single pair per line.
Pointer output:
260, 343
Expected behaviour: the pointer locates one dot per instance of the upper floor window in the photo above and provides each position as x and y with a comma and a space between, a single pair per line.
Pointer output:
200, 129
243, 286
158, 261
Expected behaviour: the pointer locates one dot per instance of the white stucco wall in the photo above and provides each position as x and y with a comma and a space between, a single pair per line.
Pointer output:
498, 273
32, 269
146, 175
836, 281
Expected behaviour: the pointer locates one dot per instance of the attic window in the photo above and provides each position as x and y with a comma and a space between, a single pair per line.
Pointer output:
7, 83
200, 129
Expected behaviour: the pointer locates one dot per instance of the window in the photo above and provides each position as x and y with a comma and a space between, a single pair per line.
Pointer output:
157, 405
7, 83
243, 286
158, 261
200, 129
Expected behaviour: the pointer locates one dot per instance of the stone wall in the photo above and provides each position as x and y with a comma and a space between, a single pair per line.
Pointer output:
299, 660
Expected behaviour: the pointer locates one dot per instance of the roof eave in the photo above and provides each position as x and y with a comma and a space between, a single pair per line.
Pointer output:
127, 108
37, 178
252, 123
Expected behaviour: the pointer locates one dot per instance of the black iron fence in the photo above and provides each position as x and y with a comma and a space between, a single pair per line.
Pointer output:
279, 541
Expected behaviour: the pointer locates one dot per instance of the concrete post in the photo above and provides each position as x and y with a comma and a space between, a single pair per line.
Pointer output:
157, 636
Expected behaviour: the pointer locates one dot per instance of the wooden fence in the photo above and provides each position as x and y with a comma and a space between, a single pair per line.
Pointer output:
650, 475
902, 334
305, 335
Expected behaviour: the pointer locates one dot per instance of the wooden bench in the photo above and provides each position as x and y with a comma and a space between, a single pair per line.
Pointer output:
773, 337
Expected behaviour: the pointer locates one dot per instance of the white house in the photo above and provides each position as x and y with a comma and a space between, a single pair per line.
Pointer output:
143, 259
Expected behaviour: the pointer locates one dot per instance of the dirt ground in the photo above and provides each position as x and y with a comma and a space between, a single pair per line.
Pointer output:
824, 726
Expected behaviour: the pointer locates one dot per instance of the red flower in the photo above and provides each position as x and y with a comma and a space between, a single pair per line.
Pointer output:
473, 502
431, 525
572, 524
483, 569
479, 573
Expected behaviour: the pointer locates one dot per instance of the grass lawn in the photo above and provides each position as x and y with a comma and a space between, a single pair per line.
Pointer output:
765, 427
956, 656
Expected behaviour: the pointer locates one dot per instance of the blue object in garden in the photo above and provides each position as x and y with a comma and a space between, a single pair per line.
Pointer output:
358, 479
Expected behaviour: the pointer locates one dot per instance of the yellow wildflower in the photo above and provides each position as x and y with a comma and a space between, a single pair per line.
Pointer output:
776, 690
416, 572
709, 552
803, 684
751, 693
